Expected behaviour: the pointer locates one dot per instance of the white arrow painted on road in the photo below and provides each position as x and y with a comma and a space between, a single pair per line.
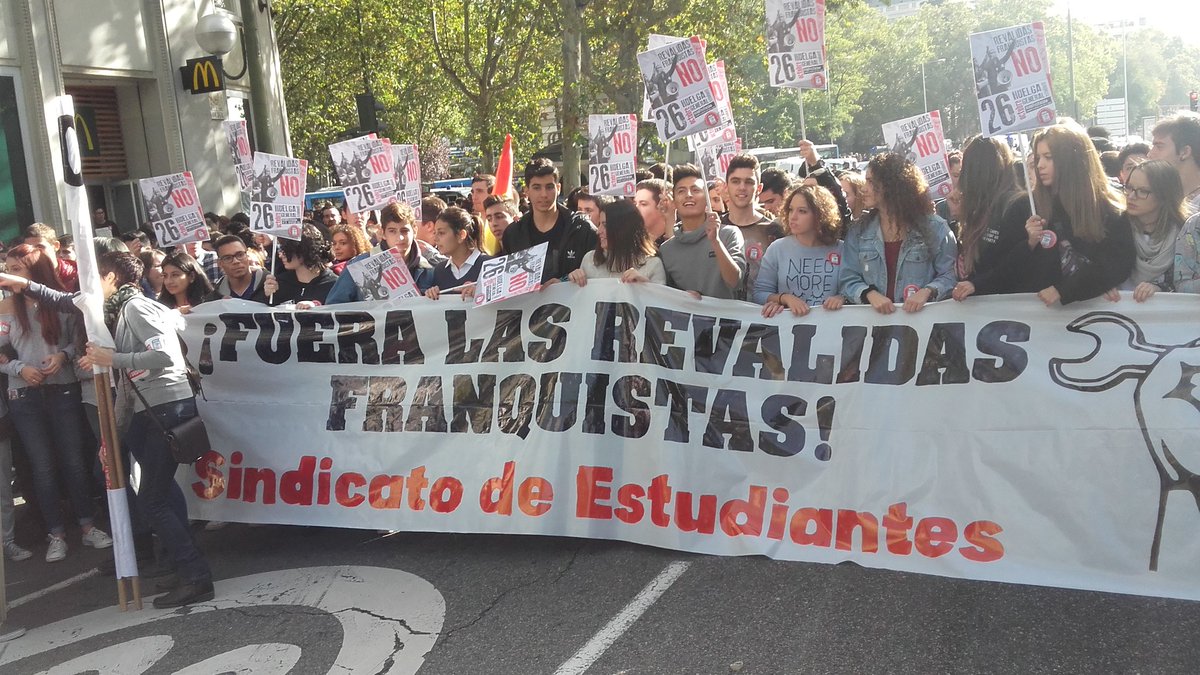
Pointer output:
378, 609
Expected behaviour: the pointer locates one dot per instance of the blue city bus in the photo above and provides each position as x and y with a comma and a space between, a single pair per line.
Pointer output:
334, 195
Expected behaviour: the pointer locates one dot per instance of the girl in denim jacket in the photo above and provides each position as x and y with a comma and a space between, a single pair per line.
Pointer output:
900, 252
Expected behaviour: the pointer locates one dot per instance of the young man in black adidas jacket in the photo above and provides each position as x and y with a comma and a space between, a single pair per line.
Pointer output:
569, 235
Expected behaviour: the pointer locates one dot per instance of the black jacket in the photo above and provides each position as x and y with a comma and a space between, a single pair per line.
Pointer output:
291, 290
1080, 269
575, 236
1003, 251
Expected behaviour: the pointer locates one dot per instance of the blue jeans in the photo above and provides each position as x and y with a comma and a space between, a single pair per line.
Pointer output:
159, 495
50, 421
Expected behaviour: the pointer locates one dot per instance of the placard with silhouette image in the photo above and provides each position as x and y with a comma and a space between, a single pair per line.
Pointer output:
239, 149
173, 209
725, 132
277, 195
383, 276
612, 154
406, 161
921, 140
364, 168
796, 43
1012, 79
677, 83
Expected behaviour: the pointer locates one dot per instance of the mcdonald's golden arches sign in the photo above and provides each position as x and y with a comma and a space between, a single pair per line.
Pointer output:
204, 75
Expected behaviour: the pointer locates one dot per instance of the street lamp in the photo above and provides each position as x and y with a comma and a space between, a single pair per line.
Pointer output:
216, 33
924, 91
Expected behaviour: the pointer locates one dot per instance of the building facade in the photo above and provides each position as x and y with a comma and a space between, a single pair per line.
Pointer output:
121, 61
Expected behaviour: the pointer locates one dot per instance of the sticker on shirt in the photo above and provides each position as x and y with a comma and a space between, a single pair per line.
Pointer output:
4, 328
834, 258
910, 290
754, 251
138, 374
156, 344
1049, 239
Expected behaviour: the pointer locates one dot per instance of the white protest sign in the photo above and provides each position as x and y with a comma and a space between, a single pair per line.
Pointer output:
407, 163
725, 132
714, 158
920, 139
1012, 79
239, 149
796, 43
511, 275
612, 154
676, 78
277, 195
383, 276
653, 43
173, 209
364, 168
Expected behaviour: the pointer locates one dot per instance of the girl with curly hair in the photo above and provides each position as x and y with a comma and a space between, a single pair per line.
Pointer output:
1080, 244
346, 242
900, 252
304, 279
802, 270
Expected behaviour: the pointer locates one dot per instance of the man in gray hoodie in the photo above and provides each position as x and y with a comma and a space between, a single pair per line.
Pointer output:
704, 257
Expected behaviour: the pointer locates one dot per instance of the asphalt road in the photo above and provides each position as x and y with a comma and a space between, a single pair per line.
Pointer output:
458, 604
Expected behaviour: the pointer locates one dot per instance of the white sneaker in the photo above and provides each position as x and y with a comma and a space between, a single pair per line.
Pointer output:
57, 550
14, 552
96, 538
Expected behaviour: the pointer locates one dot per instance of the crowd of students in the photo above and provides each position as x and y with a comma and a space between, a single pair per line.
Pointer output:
788, 243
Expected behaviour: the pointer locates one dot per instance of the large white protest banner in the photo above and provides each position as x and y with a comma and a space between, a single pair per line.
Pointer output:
612, 154
239, 149
511, 275
277, 195
1012, 79
407, 162
173, 209
725, 132
920, 138
676, 79
383, 276
992, 439
796, 43
364, 168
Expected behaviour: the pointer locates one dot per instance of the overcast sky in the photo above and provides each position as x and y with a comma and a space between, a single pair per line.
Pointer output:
1177, 17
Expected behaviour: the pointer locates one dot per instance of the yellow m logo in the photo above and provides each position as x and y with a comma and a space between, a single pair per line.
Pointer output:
204, 71
84, 132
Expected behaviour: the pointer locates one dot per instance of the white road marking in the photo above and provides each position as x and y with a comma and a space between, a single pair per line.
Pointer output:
24, 599
389, 618
614, 629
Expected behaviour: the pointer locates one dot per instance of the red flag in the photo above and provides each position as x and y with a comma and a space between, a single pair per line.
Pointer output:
504, 169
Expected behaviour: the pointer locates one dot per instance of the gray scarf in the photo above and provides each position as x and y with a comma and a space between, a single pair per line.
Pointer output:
1155, 254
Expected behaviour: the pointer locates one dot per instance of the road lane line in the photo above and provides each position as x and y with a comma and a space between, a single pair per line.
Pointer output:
614, 629
24, 599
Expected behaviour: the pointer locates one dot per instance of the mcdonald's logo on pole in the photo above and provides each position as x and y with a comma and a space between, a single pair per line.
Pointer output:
87, 132
204, 75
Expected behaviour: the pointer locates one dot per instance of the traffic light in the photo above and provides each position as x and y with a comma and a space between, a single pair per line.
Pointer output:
1194, 99
368, 113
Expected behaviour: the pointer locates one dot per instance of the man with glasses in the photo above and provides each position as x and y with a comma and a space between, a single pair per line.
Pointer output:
704, 257
240, 280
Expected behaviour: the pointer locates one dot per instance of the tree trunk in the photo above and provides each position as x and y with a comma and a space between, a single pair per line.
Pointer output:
572, 37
